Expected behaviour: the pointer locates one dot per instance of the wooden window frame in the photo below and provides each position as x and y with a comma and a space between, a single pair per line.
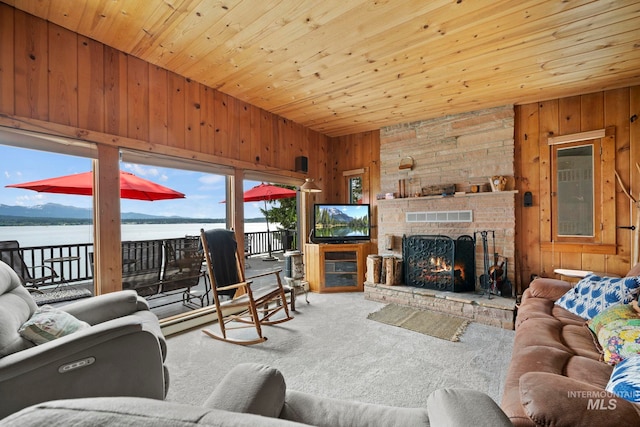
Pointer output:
594, 237
604, 239
357, 173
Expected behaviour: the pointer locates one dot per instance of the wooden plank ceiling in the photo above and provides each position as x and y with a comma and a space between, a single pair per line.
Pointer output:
342, 67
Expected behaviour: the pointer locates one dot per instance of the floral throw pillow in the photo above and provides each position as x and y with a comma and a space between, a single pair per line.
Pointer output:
593, 294
611, 314
625, 379
620, 340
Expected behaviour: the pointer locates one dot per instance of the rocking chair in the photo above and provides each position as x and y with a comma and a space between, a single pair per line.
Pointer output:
247, 308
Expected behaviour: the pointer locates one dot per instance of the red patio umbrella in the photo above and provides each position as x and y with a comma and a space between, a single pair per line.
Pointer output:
264, 193
131, 187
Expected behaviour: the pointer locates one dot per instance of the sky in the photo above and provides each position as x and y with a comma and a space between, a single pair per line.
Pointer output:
204, 192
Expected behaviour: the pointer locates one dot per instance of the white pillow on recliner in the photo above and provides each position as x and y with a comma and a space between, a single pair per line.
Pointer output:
49, 323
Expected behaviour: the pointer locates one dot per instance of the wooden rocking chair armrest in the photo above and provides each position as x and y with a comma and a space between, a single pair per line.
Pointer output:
235, 286
265, 274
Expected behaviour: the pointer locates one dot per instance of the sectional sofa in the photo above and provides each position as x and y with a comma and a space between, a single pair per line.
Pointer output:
560, 374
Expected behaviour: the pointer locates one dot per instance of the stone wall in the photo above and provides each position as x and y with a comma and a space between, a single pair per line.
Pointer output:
464, 150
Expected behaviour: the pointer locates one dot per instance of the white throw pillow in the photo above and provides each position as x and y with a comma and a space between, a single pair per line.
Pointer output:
49, 323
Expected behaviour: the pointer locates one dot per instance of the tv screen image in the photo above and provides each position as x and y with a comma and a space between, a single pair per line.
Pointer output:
335, 223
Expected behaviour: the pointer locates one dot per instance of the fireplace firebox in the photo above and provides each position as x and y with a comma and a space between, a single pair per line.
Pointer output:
439, 262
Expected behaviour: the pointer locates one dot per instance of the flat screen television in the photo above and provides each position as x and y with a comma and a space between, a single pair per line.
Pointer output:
341, 223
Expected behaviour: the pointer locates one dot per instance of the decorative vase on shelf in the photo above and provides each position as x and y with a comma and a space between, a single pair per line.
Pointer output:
498, 183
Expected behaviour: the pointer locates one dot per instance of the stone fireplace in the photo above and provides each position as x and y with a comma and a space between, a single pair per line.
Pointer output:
439, 262
465, 150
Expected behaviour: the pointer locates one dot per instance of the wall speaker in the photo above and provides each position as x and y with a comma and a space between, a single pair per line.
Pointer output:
302, 164
528, 199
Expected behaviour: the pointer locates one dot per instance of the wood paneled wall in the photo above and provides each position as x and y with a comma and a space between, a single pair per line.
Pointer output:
53, 75
534, 124
57, 82
349, 153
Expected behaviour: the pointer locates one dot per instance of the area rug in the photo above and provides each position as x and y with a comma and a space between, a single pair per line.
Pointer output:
437, 325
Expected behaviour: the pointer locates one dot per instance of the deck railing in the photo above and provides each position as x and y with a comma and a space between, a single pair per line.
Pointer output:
73, 262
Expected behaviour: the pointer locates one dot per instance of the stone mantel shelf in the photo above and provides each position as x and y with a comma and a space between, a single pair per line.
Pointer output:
483, 194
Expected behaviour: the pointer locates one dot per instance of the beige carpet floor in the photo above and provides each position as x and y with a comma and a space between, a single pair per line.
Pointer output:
330, 348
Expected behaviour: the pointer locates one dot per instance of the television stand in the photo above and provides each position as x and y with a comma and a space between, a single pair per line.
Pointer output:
335, 267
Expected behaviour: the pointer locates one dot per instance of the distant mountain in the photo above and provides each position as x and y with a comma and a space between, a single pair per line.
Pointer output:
54, 210
337, 215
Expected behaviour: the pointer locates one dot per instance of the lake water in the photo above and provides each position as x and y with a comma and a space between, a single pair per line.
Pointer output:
68, 234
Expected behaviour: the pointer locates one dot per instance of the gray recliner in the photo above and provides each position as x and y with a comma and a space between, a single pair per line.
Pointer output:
122, 353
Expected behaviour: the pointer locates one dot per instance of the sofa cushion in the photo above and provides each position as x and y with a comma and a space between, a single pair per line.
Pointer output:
593, 294
625, 379
49, 323
536, 308
555, 400
588, 370
546, 288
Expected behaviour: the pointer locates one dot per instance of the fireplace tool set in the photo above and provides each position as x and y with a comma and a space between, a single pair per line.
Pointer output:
494, 280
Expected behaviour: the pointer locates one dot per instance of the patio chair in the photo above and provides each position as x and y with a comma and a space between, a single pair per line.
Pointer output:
142, 266
11, 255
247, 308
183, 270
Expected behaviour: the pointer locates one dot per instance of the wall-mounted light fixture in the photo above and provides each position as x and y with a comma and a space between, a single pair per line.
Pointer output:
310, 186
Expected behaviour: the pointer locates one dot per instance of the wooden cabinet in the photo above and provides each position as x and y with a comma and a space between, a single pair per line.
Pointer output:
336, 267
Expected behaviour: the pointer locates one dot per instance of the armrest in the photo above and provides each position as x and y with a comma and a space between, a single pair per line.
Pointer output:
250, 388
235, 286
105, 307
459, 407
551, 399
276, 272
120, 357
547, 288
52, 352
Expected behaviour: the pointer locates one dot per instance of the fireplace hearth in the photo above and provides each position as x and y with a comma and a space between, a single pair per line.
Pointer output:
439, 262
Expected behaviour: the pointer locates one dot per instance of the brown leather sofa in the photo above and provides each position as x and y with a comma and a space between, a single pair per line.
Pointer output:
556, 376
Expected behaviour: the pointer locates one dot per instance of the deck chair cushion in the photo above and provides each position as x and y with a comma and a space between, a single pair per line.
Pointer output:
250, 388
223, 243
16, 307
